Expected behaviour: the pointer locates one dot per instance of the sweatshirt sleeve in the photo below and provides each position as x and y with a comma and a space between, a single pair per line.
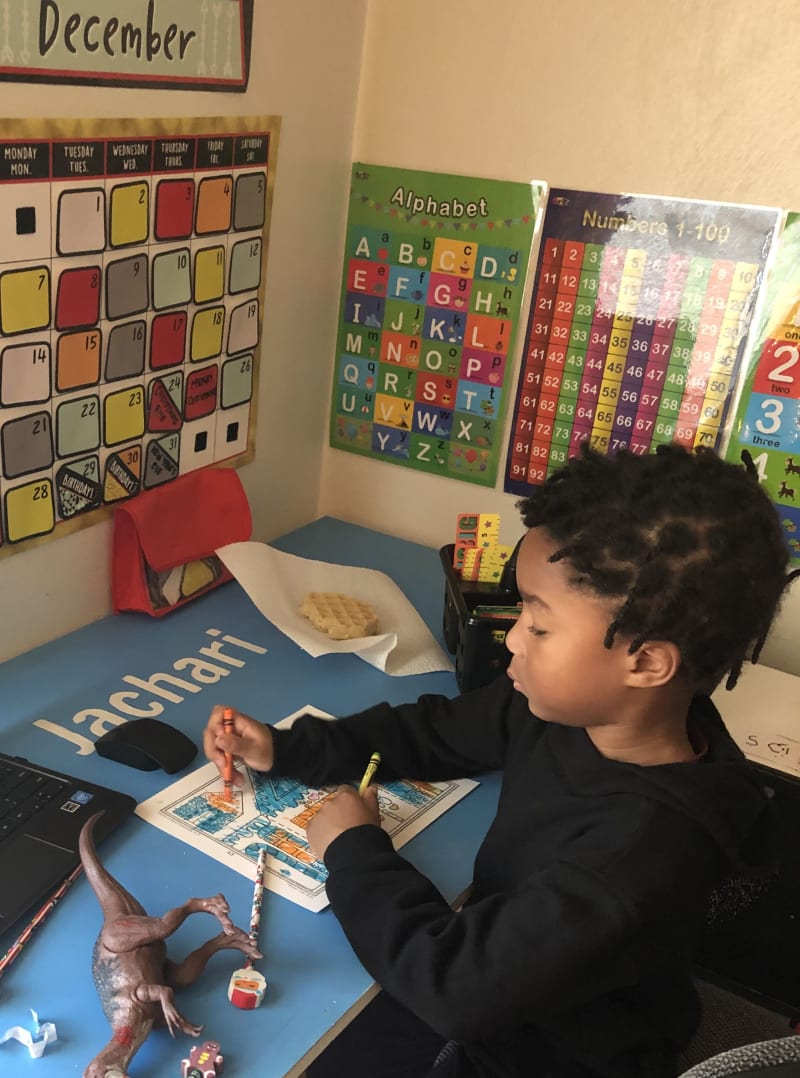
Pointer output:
557, 940
435, 738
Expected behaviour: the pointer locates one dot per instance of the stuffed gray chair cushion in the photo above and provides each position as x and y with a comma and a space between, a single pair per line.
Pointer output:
728, 1022
766, 1059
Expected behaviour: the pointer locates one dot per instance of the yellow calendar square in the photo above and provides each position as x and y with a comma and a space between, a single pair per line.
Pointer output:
29, 510
130, 214
209, 274
124, 415
25, 300
207, 330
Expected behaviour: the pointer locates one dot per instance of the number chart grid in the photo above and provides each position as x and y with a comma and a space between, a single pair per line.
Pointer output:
767, 422
131, 291
639, 311
432, 286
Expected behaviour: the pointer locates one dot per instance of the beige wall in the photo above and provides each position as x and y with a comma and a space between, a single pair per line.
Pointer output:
305, 68
682, 98
685, 98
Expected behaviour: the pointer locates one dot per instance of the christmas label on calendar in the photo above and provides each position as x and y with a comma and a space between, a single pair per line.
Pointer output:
640, 310
767, 422
131, 289
434, 272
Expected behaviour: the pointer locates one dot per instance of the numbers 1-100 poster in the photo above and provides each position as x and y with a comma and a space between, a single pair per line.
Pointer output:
640, 308
767, 421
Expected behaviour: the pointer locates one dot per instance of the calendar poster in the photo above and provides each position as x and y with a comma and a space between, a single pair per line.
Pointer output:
639, 313
434, 270
131, 290
767, 421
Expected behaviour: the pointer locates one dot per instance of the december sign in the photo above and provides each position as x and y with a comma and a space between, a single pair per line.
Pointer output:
114, 36
165, 43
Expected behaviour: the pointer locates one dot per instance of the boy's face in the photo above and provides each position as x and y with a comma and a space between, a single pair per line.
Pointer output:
558, 659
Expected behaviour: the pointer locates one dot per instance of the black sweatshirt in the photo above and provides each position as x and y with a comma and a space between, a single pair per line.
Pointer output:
589, 889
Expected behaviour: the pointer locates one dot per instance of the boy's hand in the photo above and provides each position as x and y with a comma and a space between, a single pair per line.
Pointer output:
250, 741
345, 809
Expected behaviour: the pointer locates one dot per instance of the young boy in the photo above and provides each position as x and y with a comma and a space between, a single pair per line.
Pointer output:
644, 581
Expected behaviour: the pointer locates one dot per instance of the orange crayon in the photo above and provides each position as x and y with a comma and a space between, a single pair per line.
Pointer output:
227, 725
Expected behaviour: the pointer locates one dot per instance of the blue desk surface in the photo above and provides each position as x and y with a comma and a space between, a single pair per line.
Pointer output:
315, 980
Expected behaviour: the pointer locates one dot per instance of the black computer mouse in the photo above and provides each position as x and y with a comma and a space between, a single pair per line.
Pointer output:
147, 744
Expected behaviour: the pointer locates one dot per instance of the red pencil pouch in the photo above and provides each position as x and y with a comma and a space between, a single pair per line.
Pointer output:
164, 540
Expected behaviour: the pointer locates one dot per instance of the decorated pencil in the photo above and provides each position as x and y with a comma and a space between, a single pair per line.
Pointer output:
37, 919
247, 985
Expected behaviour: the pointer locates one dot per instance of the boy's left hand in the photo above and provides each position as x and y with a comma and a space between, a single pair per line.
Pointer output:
345, 809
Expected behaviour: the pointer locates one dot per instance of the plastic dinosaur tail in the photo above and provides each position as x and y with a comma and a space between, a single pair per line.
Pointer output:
112, 896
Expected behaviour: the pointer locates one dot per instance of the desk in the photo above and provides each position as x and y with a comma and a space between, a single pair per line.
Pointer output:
316, 983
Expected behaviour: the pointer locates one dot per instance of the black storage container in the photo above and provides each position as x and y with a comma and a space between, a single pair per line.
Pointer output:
477, 642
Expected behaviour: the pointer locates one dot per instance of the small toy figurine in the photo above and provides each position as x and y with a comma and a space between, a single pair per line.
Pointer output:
132, 974
246, 988
204, 1061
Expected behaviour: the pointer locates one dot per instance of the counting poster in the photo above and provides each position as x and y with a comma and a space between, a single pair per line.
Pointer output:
767, 421
131, 288
640, 310
434, 270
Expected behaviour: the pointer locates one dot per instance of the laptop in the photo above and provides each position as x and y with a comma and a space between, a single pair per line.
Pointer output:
41, 815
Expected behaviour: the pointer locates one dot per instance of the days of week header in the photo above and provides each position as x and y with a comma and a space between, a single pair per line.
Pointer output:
80, 158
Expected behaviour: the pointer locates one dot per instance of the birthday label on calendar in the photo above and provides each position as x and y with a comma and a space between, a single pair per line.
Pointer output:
640, 309
432, 287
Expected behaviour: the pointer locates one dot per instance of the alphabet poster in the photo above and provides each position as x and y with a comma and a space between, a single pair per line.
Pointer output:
767, 421
434, 270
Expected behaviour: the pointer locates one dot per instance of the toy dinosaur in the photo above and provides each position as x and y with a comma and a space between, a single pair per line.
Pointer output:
132, 974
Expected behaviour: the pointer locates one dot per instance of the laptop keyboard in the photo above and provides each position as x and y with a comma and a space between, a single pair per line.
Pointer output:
22, 793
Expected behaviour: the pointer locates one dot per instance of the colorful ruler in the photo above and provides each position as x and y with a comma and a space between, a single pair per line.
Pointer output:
640, 308
767, 421
432, 286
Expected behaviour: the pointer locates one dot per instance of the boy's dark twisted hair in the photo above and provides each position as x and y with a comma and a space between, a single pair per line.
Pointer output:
691, 546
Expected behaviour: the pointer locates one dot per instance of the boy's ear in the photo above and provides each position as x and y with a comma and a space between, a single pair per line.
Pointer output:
655, 663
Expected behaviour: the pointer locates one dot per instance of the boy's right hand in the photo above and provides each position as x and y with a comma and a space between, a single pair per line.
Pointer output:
249, 741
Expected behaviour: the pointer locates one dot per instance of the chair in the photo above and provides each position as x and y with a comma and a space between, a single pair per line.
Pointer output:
739, 1037
748, 1027
765, 1059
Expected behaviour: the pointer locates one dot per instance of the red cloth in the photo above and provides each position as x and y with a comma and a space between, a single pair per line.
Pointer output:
167, 527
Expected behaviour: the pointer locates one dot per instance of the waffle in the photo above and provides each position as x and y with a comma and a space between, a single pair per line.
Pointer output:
340, 616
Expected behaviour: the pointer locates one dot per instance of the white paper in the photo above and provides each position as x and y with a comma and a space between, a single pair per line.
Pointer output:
761, 714
274, 812
277, 583
44, 1033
